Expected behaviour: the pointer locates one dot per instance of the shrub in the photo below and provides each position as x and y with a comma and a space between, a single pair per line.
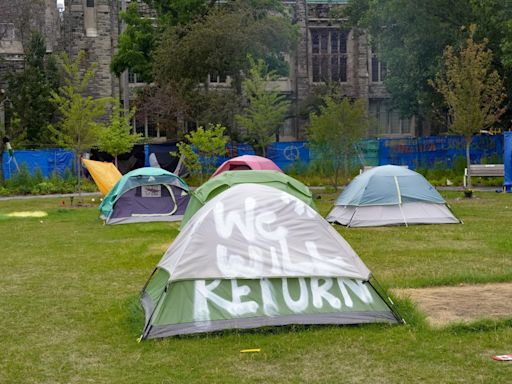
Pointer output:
24, 183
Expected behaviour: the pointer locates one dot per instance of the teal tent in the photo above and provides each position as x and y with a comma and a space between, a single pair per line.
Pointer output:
145, 194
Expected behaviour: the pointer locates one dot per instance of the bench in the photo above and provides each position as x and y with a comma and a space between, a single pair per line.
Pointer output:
484, 170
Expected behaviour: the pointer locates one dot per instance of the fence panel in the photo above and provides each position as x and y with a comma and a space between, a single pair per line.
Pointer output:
285, 154
47, 160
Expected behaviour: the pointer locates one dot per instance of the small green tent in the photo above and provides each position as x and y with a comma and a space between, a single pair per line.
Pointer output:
227, 179
256, 256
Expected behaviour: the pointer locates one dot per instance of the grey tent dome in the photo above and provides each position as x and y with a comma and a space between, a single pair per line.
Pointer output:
390, 195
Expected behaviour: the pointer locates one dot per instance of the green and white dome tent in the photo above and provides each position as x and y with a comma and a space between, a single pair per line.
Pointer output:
227, 179
257, 256
390, 195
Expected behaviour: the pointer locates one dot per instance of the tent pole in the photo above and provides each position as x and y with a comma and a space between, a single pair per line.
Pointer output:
400, 200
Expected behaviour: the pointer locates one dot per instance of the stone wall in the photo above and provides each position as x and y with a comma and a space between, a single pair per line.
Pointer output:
99, 44
17, 21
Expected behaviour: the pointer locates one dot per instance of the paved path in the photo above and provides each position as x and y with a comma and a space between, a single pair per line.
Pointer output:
315, 188
25, 197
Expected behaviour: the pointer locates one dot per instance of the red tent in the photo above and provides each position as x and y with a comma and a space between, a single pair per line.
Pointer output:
247, 162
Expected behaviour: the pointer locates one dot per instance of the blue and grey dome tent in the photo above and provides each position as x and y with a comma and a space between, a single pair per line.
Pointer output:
390, 195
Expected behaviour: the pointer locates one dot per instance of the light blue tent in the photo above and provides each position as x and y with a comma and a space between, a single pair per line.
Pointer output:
390, 195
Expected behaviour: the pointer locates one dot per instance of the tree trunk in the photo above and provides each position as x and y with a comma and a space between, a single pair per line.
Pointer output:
115, 161
79, 175
468, 161
345, 165
336, 173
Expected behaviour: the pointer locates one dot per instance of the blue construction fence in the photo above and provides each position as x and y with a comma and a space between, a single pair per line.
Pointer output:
417, 152
46, 160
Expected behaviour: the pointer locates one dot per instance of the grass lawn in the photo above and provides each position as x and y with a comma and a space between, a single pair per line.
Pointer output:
69, 309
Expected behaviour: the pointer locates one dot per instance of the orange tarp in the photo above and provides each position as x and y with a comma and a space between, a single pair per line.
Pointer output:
105, 175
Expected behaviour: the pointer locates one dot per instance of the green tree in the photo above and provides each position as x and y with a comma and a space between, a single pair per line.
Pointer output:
79, 126
174, 12
472, 90
29, 92
138, 42
136, 45
410, 36
267, 107
117, 137
204, 148
335, 130
221, 42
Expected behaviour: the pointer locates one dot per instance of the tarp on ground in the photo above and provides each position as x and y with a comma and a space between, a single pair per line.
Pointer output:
105, 175
226, 180
256, 256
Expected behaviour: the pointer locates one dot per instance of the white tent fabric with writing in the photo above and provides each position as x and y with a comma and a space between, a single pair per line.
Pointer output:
257, 256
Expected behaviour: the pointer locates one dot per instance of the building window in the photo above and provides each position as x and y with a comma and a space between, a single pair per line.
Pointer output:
379, 68
133, 78
329, 55
217, 78
7, 31
386, 121
90, 4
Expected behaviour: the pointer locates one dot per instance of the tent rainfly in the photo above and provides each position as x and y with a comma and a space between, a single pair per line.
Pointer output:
146, 194
104, 174
256, 256
390, 195
247, 162
226, 180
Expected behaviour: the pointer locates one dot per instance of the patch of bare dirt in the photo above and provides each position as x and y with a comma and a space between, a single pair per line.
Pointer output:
158, 248
444, 305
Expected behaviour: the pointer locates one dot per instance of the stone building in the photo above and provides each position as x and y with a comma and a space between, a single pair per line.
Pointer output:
17, 21
93, 26
328, 52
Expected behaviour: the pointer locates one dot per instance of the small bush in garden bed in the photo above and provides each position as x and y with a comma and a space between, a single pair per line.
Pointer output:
24, 183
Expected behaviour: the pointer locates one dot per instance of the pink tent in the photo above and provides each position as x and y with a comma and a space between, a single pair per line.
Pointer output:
247, 162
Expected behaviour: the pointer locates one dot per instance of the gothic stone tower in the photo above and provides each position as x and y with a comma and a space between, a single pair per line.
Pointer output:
17, 22
93, 26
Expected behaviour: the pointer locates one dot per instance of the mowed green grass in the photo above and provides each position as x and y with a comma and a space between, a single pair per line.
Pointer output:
69, 309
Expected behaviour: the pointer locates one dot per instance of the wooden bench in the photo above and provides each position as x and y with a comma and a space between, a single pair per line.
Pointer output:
484, 170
